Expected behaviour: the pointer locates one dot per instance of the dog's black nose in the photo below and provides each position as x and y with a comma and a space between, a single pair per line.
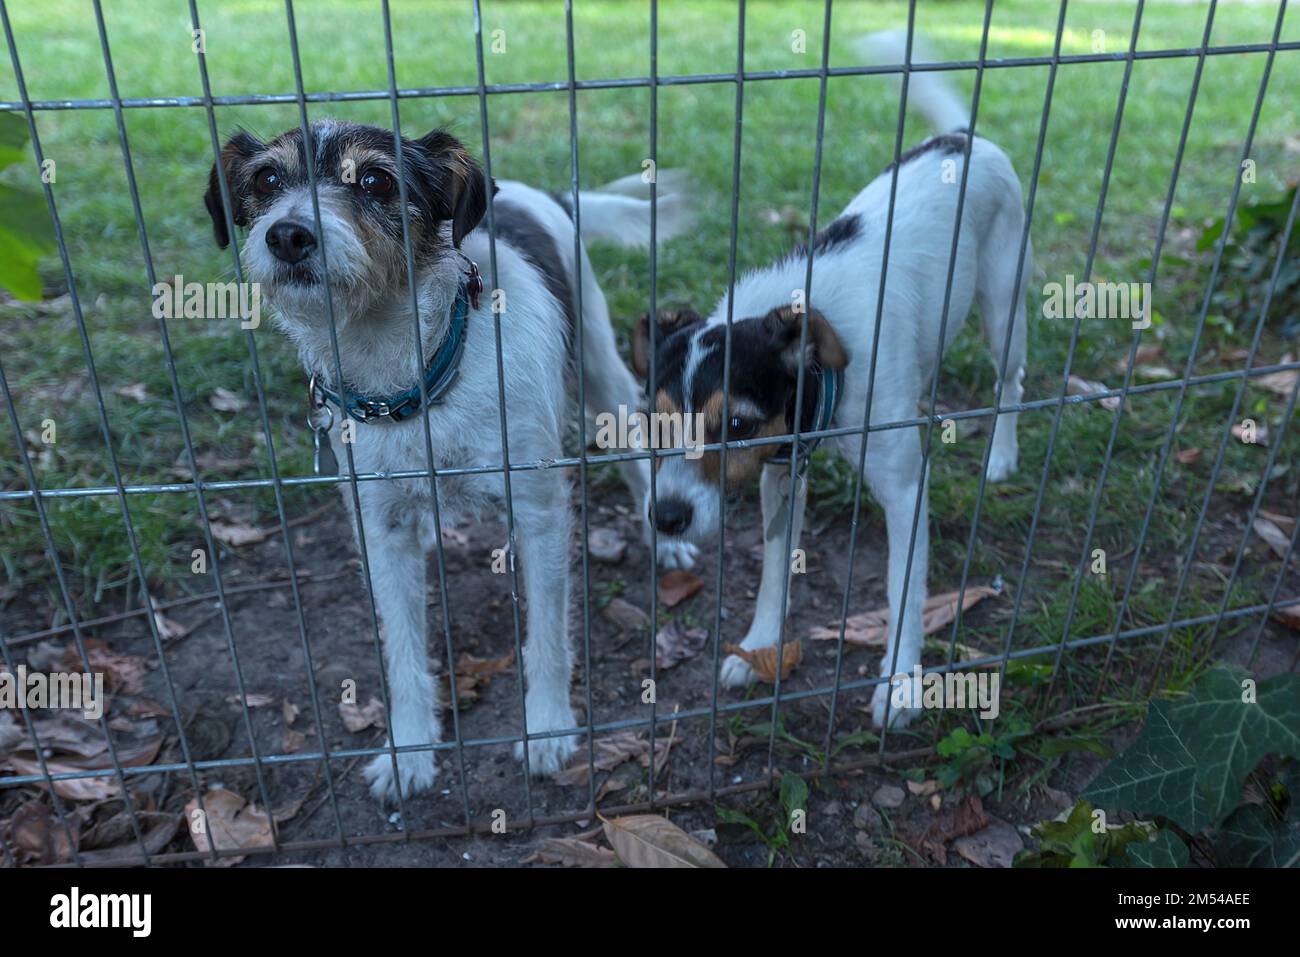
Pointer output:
673, 516
290, 241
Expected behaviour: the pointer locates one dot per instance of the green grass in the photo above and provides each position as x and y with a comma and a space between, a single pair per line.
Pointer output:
342, 47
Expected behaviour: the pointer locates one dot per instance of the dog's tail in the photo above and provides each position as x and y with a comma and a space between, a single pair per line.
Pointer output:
927, 90
619, 212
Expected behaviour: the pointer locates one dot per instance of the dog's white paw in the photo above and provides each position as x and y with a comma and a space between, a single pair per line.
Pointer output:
735, 672
1002, 464
547, 756
417, 769
677, 554
899, 718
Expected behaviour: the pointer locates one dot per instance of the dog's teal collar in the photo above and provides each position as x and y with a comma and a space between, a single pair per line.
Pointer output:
439, 374
829, 384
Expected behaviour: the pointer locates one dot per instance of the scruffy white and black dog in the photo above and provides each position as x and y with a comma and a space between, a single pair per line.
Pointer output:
383, 392
765, 359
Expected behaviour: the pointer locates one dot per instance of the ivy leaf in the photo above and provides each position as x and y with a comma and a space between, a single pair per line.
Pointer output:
1252, 837
1193, 755
26, 233
1165, 851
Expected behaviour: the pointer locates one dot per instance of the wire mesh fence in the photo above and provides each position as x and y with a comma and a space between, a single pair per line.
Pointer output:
715, 709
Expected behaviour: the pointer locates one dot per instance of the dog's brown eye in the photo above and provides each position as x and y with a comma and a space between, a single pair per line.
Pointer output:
266, 181
741, 428
377, 183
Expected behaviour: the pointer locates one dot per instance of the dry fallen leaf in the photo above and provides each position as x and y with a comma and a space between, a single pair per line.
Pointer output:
924, 788
676, 643
676, 586
231, 823
1280, 383
1289, 616
571, 852
123, 674
135, 390
994, 846
237, 533
1081, 386
39, 838
357, 718
648, 840
1274, 537
764, 660
290, 711
870, 627
223, 400
74, 789
626, 615
254, 700
1187, 456
613, 750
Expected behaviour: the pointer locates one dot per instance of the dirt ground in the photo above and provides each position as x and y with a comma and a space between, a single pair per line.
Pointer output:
845, 823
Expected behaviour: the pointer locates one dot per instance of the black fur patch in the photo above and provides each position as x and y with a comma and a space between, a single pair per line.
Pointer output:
947, 143
517, 227
840, 232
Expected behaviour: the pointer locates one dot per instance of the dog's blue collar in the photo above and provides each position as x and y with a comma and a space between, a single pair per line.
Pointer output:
439, 374
829, 385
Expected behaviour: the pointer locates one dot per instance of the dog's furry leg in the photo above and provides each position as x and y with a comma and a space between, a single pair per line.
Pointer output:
765, 629
397, 570
896, 490
544, 527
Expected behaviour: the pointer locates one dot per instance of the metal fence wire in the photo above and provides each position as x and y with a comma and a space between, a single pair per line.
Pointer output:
714, 711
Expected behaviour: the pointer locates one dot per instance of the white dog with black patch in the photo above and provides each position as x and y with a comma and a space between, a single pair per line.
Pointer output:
384, 393
841, 317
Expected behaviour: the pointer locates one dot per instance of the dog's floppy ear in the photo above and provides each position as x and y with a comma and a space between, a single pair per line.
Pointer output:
237, 151
668, 321
784, 324
459, 192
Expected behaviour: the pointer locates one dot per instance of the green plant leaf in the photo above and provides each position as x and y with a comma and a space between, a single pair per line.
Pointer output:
1166, 850
1193, 754
794, 795
1253, 837
13, 138
26, 235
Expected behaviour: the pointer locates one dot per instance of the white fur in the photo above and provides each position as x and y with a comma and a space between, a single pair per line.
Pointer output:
377, 349
844, 290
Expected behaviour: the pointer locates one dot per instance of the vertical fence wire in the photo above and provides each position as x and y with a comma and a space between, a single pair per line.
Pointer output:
309, 160
501, 399
114, 464
796, 475
734, 235
440, 556
192, 460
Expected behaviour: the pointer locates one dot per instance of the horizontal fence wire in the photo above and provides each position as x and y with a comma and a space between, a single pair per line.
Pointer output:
222, 598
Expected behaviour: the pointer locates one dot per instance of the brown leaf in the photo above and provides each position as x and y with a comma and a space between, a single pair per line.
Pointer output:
871, 627
357, 718
613, 750
1273, 536
764, 660
289, 710
571, 852
158, 828
123, 674
1187, 456
1279, 383
237, 533
254, 700
68, 732
648, 840
676, 643
965, 818
1081, 386
1289, 616
38, 837
74, 789
994, 846
223, 400
293, 741
676, 586
924, 788
231, 823
626, 615
135, 390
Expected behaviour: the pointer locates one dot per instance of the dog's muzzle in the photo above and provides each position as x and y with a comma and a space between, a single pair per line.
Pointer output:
290, 241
